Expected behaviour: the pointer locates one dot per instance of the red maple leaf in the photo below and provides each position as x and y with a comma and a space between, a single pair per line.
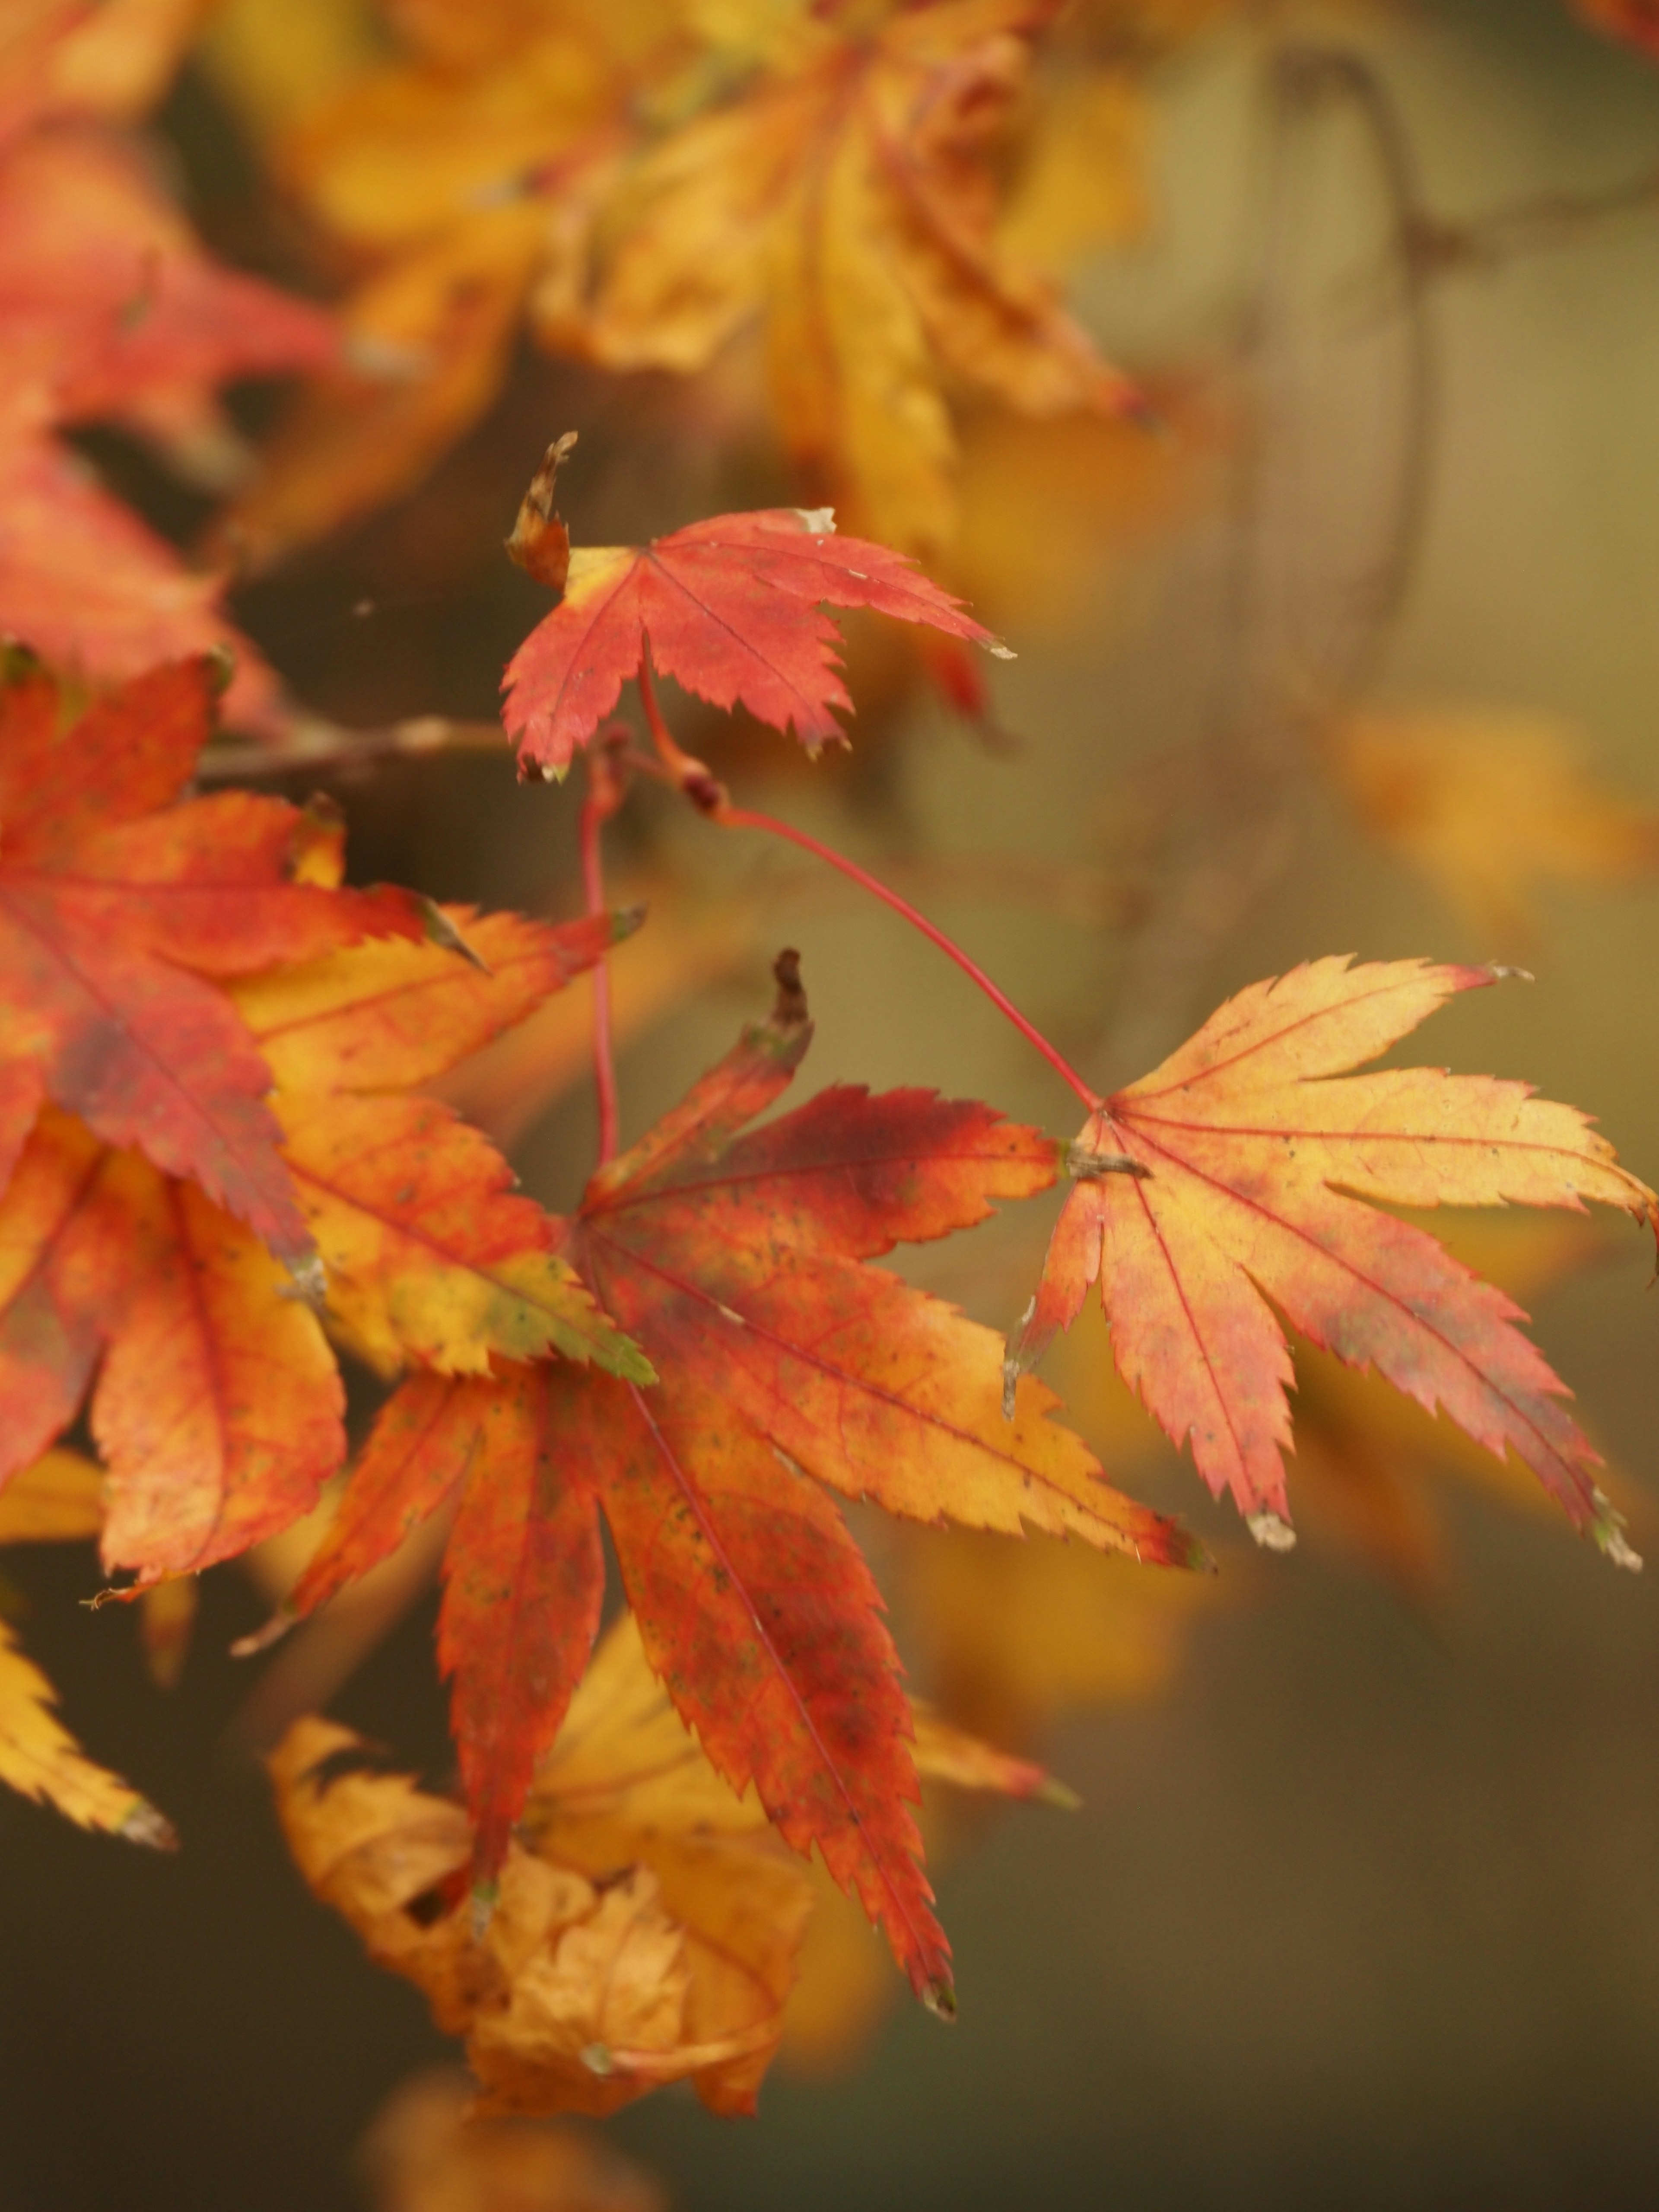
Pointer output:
731, 608
740, 1263
117, 906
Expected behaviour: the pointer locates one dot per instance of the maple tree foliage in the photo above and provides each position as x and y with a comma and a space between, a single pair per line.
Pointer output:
740, 1266
111, 311
649, 184
1222, 1180
231, 1141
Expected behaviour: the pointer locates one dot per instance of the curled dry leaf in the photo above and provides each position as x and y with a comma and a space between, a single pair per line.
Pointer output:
1249, 1152
731, 608
646, 1923
739, 1262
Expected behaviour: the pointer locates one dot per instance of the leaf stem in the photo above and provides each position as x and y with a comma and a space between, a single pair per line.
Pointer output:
710, 798
599, 803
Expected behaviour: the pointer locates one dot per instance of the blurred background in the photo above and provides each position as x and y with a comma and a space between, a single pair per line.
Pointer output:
1342, 640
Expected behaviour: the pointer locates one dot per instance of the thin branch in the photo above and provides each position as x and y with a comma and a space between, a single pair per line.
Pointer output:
309, 742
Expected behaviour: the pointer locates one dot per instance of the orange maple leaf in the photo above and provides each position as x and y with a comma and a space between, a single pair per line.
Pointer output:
217, 1405
429, 1253
1232, 1174
739, 1264
731, 608
116, 908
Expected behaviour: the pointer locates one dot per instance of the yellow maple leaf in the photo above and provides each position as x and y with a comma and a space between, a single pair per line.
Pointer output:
648, 1922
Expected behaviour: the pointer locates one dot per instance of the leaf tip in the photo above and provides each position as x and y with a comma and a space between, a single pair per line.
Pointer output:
1609, 1530
1271, 1530
261, 1640
1058, 1793
144, 1825
940, 1999
624, 922
790, 1011
540, 543
441, 931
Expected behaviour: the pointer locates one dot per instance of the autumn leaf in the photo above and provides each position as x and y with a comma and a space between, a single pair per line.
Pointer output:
1233, 1176
107, 297
41, 1761
1373, 1469
739, 1264
850, 198
110, 310
217, 1405
429, 1254
215, 1397
120, 906
1488, 806
650, 181
647, 1924
730, 608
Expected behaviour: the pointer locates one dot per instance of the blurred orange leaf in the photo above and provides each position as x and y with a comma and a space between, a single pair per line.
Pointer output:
1489, 806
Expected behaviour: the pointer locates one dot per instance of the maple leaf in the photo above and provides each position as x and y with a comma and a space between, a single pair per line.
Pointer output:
110, 309
117, 906
737, 1263
1487, 806
216, 1404
429, 1255
646, 1925
42, 1761
216, 1407
849, 195
1247, 1153
731, 608
106, 297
